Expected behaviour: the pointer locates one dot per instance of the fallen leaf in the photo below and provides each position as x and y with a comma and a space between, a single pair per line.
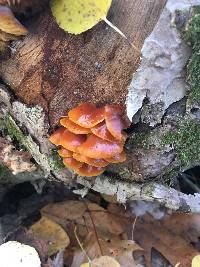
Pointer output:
9, 24
111, 246
68, 210
85, 265
102, 219
105, 261
83, 214
172, 236
79, 16
126, 259
13, 253
6, 37
52, 233
196, 261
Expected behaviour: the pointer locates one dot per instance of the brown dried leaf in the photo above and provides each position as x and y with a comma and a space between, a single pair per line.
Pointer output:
103, 220
9, 24
68, 210
26, 7
82, 213
172, 237
6, 37
110, 245
52, 233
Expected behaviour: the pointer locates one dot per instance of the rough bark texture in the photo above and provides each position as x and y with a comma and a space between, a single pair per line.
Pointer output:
56, 71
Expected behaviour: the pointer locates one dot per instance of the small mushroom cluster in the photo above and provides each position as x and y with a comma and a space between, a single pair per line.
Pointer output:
91, 138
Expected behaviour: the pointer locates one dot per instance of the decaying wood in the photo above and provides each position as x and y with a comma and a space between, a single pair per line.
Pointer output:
16, 161
53, 70
125, 191
57, 70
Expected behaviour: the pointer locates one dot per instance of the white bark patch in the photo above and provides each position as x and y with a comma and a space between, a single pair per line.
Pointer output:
160, 76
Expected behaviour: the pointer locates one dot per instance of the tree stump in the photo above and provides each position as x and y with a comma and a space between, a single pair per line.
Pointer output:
50, 71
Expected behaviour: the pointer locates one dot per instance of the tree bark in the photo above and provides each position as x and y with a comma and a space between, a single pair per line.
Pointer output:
50, 71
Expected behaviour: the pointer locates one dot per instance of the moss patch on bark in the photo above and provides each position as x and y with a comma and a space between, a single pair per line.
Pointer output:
192, 37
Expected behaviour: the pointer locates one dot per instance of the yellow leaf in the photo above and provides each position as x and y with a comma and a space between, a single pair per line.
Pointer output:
85, 265
196, 261
105, 261
77, 16
52, 233
9, 24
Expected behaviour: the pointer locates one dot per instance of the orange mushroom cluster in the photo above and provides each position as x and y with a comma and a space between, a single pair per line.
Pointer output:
90, 138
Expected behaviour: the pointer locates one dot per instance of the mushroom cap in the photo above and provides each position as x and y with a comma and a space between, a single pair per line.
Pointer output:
97, 148
9, 24
73, 127
114, 121
86, 115
89, 171
65, 153
71, 141
90, 161
56, 136
72, 163
101, 131
117, 158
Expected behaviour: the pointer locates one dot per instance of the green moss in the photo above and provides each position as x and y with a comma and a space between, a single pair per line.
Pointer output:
58, 162
186, 141
26, 142
15, 132
3, 170
138, 140
192, 36
170, 173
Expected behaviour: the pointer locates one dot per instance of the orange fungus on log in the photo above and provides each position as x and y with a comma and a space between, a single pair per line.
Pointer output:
86, 115
97, 148
114, 121
71, 163
65, 153
91, 138
90, 161
73, 127
89, 171
71, 141
55, 138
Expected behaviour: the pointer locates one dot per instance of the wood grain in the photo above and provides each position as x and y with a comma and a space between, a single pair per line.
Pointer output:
57, 70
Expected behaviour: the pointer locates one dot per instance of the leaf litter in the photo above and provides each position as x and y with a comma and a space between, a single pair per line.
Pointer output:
82, 233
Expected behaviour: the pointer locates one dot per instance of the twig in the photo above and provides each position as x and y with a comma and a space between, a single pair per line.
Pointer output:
95, 230
133, 227
122, 34
81, 246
